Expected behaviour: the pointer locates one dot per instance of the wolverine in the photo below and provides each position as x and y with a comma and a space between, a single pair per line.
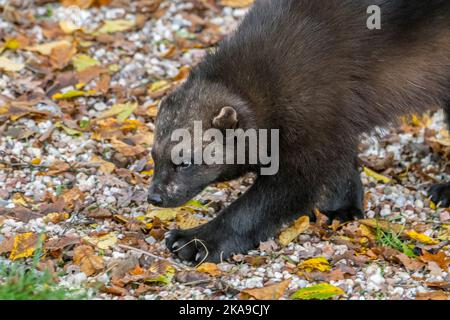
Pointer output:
316, 72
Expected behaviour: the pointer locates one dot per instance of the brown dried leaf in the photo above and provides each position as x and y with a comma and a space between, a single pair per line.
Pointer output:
85, 257
433, 295
440, 259
126, 149
271, 292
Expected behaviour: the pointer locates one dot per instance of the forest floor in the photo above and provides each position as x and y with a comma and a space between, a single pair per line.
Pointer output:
79, 91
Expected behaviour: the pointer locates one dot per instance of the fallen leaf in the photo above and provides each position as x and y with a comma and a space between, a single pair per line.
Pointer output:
57, 167
56, 217
89, 262
68, 27
84, 4
384, 225
271, 292
60, 56
163, 214
82, 62
25, 245
9, 65
115, 290
106, 167
160, 272
7, 245
67, 130
70, 94
319, 263
72, 196
268, 246
322, 291
20, 200
103, 242
100, 213
113, 26
421, 237
433, 295
409, 263
188, 221
236, 3
126, 149
122, 111
440, 258
191, 276
288, 235
209, 268
376, 176
183, 73
46, 48
61, 243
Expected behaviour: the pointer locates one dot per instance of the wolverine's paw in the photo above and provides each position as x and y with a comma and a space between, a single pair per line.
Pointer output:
440, 194
203, 244
344, 215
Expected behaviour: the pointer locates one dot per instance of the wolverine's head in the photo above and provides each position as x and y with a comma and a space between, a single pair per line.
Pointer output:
187, 126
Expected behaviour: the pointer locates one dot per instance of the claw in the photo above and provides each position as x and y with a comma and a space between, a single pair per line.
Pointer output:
167, 234
198, 256
175, 245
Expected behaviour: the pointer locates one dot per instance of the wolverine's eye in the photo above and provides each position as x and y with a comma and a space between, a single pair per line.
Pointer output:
184, 165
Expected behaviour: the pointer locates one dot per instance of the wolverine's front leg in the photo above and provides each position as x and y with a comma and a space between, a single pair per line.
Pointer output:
254, 217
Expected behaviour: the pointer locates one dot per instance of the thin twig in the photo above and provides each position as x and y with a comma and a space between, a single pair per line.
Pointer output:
195, 240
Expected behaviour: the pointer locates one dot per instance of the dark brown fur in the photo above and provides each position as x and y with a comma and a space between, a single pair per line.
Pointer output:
312, 69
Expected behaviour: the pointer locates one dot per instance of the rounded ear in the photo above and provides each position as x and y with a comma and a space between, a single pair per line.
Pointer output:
226, 119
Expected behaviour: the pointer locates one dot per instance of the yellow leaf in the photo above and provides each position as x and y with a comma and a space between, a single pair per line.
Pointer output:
73, 94
236, 3
20, 200
36, 161
421, 237
113, 68
432, 205
9, 65
12, 44
164, 214
319, 263
318, 292
376, 176
209, 268
444, 235
69, 131
367, 232
68, 26
122, 111
82, 62
421, 121
183, 73
288, 235
120, 25
159, 86
189, 221
56, 217
384, 225
272, 292
46, 48
103, 242
24, 245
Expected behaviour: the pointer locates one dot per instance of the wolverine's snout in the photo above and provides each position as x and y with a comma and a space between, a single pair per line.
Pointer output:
155, 199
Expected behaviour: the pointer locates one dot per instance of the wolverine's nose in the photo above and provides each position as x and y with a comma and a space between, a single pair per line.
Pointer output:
155, 199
